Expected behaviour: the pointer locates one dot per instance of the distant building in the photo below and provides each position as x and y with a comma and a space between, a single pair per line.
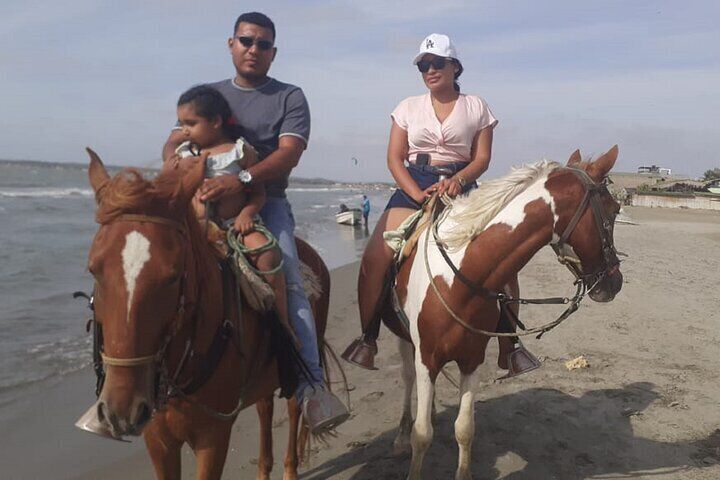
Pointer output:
655, 169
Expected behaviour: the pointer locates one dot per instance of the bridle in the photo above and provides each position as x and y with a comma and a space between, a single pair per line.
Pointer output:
584, 283
166, 385
157, 359
604, 225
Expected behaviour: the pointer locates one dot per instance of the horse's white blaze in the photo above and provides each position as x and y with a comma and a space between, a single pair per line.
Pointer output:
514, 213
135, 255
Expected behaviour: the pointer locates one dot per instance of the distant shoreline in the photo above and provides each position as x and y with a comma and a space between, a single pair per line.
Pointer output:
116, 168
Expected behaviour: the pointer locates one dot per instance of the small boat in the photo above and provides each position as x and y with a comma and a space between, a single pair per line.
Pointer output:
351, 216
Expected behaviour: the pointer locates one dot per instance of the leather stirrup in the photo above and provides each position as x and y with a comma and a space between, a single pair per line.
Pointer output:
361, 352
520, 360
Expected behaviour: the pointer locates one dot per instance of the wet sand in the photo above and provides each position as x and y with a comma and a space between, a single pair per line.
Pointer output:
646, 407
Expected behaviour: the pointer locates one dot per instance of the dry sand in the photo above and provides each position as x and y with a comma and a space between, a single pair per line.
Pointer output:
646, 407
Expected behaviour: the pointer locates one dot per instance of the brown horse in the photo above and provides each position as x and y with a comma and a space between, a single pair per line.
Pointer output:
449, 294
159, 299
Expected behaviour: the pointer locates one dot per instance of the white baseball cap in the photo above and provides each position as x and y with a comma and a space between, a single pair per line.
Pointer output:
436, 44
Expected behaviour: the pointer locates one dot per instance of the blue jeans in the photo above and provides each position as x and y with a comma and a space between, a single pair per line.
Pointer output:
278, 218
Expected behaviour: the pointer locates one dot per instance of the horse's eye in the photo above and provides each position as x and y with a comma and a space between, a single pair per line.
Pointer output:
174, 278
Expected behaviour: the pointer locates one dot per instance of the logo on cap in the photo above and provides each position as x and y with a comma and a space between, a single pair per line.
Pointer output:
429, 43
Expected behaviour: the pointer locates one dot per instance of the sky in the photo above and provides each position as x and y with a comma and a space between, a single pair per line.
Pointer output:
559, 75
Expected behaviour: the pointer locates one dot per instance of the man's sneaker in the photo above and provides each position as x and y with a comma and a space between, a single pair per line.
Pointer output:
322, 410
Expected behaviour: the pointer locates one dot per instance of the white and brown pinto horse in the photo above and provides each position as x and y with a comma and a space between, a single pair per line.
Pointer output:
158, 298
491, 233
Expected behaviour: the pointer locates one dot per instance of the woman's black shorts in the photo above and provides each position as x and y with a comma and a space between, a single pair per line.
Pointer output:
424, 176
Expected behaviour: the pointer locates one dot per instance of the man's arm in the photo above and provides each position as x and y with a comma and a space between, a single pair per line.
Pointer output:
280, 162
276, 165
293, 136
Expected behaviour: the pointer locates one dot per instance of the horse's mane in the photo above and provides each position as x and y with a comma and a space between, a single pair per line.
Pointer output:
471, 213
129, 192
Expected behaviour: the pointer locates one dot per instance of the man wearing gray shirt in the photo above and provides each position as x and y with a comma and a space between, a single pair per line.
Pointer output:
275, 118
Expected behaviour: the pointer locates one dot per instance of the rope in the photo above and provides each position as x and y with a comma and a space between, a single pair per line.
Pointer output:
241, 251
574, 302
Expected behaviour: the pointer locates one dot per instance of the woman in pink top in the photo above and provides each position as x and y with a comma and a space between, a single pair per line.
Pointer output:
442, 129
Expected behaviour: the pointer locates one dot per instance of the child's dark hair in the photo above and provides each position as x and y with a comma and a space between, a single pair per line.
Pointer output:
209, 103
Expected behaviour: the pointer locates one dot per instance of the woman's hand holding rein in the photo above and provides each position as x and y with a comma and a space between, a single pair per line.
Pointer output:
450, 186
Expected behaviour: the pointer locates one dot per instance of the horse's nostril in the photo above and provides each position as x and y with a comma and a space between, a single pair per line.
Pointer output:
143, 414
101, 413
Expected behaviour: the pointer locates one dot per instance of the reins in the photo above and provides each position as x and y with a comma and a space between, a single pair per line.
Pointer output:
583, 283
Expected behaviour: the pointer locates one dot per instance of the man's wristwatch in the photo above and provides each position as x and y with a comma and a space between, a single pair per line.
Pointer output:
245, 177
460, 179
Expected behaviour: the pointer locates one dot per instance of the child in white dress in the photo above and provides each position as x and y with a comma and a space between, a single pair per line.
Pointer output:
205, 118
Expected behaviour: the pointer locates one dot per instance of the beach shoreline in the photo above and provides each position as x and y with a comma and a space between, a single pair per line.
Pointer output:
645, 407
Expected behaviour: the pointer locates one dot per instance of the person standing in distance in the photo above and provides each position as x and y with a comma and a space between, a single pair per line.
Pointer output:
276, 120
365, 210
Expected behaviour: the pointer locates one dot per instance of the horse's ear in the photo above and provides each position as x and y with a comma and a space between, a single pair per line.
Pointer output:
602, 166
574, 158
96, 172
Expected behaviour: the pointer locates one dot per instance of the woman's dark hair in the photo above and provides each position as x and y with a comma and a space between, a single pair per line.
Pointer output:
256, 18
209, 103
456, 84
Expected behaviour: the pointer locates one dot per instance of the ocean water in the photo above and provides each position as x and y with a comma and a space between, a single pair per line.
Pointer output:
47, 218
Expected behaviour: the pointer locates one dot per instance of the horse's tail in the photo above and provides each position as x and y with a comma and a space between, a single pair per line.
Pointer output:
327, 349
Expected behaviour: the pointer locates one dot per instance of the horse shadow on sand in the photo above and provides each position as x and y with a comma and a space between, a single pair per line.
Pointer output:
537, 434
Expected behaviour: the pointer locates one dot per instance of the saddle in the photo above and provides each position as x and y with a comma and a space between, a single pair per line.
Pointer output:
226, 248
404, 239
243, 284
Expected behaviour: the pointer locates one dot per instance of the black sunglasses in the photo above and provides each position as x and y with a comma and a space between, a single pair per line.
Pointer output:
248, 42
438, 63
